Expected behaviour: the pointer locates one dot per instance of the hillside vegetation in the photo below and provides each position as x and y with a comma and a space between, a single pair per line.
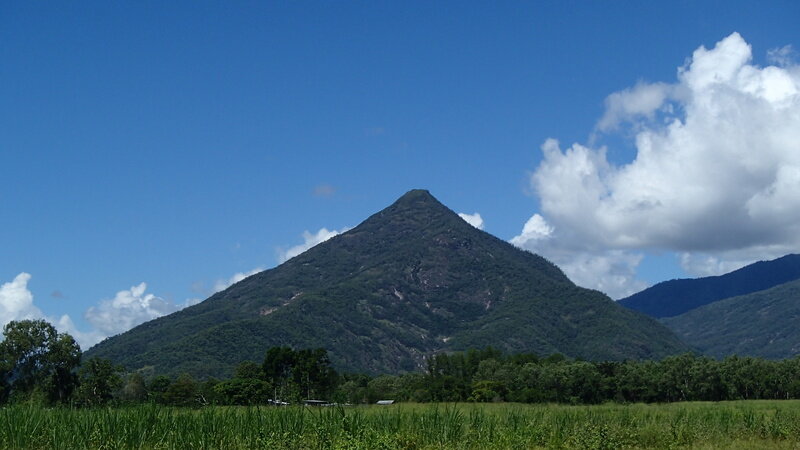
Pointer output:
411, 280
764, 323
674, 297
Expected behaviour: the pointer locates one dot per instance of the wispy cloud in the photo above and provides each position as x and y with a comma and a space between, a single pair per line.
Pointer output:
640, 101
324, 191
782, 56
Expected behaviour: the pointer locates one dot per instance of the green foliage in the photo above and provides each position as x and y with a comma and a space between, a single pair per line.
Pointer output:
487, 391
461, 426
37, 362
208, 393
313, 374
134, 390
248, 369
486, 376
410, 281
158, 387
99, 379
383, 387
243, 391
759, 324
299, 374
183, 392
278, 364
247, 387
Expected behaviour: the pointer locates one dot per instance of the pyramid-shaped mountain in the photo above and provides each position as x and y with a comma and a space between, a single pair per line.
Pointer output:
409, 281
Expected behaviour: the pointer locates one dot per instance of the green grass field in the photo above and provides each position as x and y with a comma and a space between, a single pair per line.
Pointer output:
751, 424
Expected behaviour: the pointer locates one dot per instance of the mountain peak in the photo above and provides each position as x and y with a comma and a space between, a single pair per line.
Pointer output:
415, 211
411, 280
418, 198
416, 194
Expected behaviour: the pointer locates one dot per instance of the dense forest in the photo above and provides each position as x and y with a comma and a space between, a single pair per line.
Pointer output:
39, 365
762, 323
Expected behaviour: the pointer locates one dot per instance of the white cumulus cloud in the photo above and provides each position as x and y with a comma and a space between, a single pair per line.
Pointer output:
473, 219
309, 240
716, 178
607, 270
85, 339
534, 230
221, 285
127, 309
16, 301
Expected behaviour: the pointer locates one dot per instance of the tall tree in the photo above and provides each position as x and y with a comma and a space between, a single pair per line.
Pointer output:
99, 378
277, 368
247, 387
135, 389
302, 374
157, 387
314, 374
183, 392
35, 357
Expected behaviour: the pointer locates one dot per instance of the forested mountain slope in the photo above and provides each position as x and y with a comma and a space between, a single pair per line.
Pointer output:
411, 280
764, 323
674, 297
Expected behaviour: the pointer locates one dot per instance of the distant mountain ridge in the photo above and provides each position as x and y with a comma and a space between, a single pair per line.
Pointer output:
411, 280
675, 297
764, 323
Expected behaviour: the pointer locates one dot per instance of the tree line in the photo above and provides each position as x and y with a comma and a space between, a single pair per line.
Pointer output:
39, 365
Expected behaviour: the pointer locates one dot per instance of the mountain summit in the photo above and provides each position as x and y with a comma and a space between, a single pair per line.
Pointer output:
411, 280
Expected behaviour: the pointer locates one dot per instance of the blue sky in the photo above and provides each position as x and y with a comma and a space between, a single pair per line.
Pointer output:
178, 144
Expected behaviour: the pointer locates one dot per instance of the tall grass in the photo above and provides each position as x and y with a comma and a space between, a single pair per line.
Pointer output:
755, 424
